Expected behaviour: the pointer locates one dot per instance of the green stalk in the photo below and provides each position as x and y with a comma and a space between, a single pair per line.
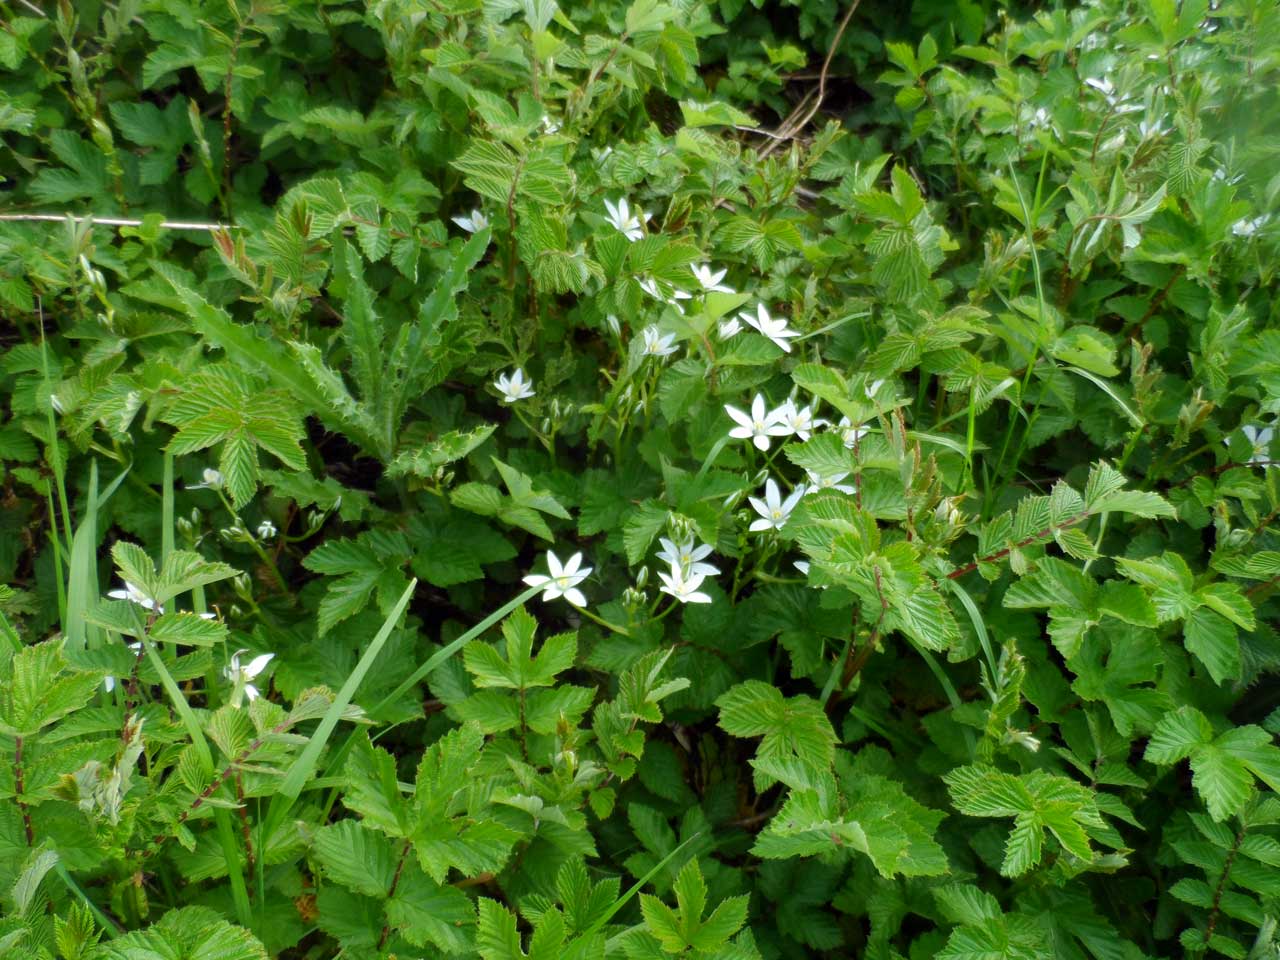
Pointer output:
221, 816
82, 588
439, 657
304, 766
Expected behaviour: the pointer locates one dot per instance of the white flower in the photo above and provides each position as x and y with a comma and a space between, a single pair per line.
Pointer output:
686, 557
658, 344
829, 482
758, 426
1248, 227
773, 510
563, 581
710, 281
683, 588
799, 421
134, 595
730, 328
650, 286
212, 480
1152, 127
514, 387
626, 222
1260, 439
266, 530
775, 330
549, 125
1108, 90
801, 565
240, 675
473, 222
675, 298
873, 388
850, 434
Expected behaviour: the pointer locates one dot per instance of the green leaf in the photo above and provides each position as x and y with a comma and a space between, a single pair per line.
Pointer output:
356, 857
1222, 767
186, 933
639, 529
791, 728
37, 689
1215, 643
220, 405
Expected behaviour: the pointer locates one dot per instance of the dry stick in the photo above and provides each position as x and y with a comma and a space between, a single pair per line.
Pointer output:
110, 221
794, 128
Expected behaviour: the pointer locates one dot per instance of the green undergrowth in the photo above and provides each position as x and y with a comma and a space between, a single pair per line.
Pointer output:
512, 479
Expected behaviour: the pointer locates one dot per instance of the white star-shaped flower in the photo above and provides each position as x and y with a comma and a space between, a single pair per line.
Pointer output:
683, 588
1248, 227
798, 420
473, 222
563, 581
686, 556
658, 344
730, 328
240, 674
514, 387
829, 482
773, 510
849, 434
710, 280
758, 426
626, 222
775, 330
135, 595
266, 530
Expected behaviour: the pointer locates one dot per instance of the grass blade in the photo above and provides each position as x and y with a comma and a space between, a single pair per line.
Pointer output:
221, 816
82, 588
305, 764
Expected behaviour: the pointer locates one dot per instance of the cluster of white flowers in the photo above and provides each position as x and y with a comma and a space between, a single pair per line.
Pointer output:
688, 569
783, 421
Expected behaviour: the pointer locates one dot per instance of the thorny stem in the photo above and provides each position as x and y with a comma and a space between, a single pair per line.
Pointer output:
391, 892
19, 789
858, 660
959, 572
1222, 884
158, 840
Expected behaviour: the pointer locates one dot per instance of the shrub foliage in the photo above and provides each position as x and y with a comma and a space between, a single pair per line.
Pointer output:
638, 480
